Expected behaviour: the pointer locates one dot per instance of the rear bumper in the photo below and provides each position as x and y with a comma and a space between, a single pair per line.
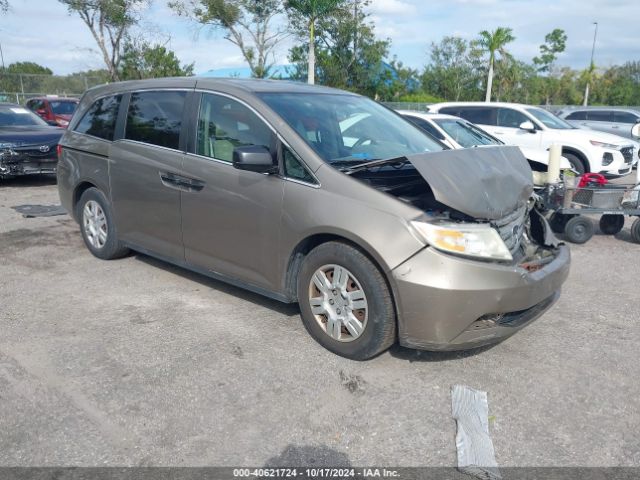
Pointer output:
451, 303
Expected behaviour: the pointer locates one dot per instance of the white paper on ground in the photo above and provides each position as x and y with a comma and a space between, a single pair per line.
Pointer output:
470, 410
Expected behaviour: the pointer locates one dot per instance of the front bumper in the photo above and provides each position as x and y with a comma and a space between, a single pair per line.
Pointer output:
14, 164
451, 303
621, 164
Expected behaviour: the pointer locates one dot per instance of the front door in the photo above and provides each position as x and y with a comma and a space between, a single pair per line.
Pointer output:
508, 129
231, 226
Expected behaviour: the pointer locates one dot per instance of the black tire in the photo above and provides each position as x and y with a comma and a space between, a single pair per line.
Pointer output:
112, 247
576, 163
635, 230
379, 331
558, 222
579, 229
611, 224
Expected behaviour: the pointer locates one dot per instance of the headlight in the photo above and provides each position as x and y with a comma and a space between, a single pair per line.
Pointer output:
475, 240
62, 123
604, 145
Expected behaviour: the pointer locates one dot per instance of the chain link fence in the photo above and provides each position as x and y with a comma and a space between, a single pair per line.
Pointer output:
18, 87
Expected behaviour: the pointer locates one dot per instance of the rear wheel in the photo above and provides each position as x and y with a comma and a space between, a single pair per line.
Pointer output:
611, 224
345, 303
579, 229
97, 225
635, 230
576, 163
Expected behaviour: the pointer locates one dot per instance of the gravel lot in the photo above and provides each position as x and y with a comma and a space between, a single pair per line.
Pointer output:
136, 362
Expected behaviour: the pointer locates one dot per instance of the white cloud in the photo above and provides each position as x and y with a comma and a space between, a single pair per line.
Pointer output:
392, 7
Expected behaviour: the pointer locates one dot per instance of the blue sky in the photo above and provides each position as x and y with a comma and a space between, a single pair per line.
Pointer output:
42, 31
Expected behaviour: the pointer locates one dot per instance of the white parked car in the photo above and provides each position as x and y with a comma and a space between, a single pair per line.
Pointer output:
457, 133
527, 126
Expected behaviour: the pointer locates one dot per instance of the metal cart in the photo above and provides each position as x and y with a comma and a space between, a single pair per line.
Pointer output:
567, 203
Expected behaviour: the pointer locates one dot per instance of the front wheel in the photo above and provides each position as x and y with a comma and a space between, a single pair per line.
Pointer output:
345, 303
576, 163
98, 227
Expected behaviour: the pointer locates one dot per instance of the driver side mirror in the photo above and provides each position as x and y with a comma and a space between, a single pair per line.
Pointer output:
254, 158
528, 126
635, 130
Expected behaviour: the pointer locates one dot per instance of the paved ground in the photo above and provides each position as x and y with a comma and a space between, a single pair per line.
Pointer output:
135, 362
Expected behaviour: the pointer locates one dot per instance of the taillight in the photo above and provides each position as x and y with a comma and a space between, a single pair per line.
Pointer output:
59, 151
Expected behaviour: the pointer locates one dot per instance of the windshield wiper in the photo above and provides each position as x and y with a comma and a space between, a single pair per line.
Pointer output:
374, 163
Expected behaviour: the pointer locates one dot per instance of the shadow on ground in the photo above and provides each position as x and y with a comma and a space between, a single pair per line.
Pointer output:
28, 181
288, 309
309, 456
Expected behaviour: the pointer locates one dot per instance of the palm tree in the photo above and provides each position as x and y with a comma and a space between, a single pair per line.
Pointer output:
493, 42
311, 10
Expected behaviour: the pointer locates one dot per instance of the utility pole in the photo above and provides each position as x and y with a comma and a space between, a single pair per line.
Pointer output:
591, 66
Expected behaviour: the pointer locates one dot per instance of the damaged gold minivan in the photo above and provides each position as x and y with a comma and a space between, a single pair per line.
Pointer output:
316, 196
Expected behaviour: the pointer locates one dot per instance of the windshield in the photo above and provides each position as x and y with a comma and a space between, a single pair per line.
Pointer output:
348, 128
63, 108
15, 116
549, 119
465, 133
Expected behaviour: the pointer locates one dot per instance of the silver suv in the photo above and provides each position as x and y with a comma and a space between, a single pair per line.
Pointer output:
316, 196
618, 121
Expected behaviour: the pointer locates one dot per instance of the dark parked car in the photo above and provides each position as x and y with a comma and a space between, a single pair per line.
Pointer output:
27, 143
370, 225
54, 109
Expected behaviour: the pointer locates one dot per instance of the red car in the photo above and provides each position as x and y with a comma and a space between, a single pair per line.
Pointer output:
58, 110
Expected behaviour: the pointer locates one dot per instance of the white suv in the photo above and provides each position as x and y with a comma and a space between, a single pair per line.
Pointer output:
527, 126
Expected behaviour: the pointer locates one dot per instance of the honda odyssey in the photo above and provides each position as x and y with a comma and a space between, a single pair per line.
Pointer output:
371, 226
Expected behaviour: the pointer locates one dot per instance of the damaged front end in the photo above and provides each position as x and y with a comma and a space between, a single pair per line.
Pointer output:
491, 264
16, 160
477, 203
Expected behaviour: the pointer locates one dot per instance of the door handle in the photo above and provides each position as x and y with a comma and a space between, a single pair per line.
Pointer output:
615, 126
186, 184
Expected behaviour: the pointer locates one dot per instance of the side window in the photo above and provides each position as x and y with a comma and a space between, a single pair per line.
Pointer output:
511, 118
600, 116
625, 117
293, 168
426, 126
479, 115
224, 124
156, 118
100, 120
577, 116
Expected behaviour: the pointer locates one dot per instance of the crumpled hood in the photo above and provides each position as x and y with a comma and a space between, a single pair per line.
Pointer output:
484, 183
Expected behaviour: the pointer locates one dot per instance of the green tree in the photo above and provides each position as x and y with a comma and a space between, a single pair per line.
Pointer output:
554, 44
348, 54
4, 6
109, 22
311, 11
248, 24
30, 68
454, 70
493, 43
141, 60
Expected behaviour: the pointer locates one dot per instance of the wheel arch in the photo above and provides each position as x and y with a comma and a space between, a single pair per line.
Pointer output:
578, 153
304, 246
82, 187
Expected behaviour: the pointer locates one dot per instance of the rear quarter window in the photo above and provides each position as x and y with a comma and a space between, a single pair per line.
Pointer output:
100, 120
156, 118
479, 115
577, 116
